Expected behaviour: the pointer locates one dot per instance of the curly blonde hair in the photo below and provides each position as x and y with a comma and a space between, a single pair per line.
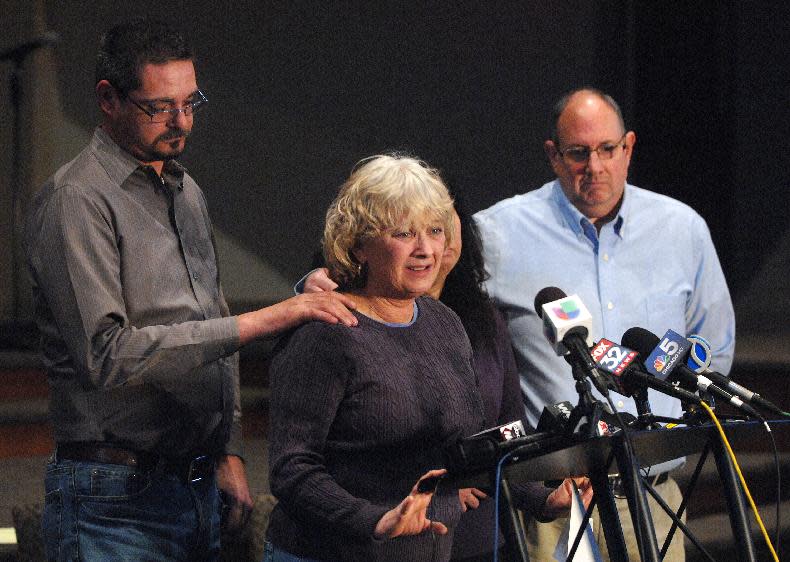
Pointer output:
383, 192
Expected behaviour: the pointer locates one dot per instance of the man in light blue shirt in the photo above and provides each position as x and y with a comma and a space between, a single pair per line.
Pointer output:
635, 258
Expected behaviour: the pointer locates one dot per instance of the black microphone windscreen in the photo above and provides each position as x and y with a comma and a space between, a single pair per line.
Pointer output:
640, 340
547, 295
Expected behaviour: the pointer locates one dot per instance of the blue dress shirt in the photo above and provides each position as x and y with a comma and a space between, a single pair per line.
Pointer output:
653, 266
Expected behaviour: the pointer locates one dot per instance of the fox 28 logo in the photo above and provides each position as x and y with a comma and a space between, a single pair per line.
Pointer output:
612, 357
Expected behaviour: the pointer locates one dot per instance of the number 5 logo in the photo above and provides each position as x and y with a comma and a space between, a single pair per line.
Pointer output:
668, 346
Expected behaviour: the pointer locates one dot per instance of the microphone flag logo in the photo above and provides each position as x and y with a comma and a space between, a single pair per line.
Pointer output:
664, 358
699, 356
563, 317
614, 359
568, 310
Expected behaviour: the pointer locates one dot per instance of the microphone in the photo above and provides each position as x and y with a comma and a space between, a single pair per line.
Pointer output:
620, 362
662, 358
614, 360
699, 360
567, 325
483, 450
504, 432
555, 418
47, 39
666, 357
563, 316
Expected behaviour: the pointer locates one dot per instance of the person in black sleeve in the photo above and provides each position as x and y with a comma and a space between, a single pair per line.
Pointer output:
459, 286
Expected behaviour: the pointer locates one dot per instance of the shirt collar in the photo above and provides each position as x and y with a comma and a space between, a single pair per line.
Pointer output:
119, 164
621, 220
575, 219
174, 172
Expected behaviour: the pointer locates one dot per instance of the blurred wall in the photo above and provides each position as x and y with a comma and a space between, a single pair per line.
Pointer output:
299, 91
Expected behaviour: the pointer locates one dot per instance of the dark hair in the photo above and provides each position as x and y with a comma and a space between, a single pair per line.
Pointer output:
463, 289
126, 47
562, 103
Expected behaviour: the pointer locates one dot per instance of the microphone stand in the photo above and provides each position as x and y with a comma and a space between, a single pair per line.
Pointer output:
592, 409
645, 418
628, 467
588, 407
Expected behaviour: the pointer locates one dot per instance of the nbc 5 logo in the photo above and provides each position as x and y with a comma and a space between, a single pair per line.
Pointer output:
669, 348
665, 356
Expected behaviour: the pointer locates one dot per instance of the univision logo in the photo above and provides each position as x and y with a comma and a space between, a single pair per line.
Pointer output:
567, 310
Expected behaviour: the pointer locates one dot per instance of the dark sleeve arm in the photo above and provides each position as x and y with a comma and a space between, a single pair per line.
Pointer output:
76, 264
529, 496
308, 381
235, 444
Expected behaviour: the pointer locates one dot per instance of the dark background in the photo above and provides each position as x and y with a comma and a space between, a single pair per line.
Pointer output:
302, 90
299, 91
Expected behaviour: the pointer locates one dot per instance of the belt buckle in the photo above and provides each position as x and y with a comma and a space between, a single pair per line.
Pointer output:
198, 469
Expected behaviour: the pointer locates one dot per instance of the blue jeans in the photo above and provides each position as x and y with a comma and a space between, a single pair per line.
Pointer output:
95, 511
273, 554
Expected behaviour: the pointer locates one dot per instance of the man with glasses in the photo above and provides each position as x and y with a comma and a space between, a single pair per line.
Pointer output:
138, 342
634, 257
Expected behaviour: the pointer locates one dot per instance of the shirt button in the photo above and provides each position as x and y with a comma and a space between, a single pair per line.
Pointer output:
195, 276
620, 404
606, 257
610, 305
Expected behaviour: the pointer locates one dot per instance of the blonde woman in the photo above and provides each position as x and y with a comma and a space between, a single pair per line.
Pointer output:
360, 414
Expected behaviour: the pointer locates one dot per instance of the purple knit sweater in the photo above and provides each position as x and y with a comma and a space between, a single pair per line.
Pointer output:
357, 416
499, 386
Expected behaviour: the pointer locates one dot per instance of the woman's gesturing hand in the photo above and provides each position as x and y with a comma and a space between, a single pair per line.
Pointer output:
409, 516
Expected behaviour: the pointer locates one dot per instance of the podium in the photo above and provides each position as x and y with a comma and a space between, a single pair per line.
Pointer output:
598, 457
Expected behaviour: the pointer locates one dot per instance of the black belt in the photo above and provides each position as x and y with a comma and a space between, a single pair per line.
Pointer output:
618, 489
187, 469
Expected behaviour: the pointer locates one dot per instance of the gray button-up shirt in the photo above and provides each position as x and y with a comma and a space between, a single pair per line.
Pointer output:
138, 343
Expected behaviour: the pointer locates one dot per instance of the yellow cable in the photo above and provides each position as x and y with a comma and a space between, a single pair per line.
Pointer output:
743, 481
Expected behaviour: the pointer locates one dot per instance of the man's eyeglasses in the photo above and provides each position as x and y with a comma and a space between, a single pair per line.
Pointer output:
581, 154
160, 114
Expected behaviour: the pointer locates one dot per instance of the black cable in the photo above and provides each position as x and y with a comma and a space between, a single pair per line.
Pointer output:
778, 535
777, 545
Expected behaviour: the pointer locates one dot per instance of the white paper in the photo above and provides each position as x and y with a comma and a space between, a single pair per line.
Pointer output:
587, 551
